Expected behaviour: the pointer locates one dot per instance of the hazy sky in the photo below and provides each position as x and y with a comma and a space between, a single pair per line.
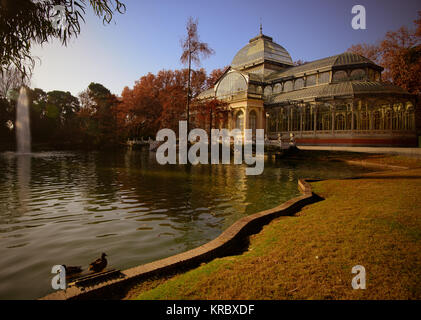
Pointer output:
147, 37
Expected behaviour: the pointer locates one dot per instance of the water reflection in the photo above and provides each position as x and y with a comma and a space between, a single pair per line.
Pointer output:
67, 208
23, 180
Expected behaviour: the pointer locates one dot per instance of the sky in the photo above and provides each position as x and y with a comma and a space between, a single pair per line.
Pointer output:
147, 37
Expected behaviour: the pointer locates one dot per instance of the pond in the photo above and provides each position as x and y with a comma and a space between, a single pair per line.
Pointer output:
68, 207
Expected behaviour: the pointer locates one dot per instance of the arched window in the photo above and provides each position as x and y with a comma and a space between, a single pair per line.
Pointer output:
349, 121
397, 117
339, 76
340, 122
253, 121
232, 83
239, 120
324, 118
277, 88
267, 92
288, 86
298, 84
371, 75
326, 122
410, 117
357, 74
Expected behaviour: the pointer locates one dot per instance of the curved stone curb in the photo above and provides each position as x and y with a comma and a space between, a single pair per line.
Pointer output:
225, 243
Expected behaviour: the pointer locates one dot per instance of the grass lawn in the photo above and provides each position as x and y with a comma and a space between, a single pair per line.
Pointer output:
373, 221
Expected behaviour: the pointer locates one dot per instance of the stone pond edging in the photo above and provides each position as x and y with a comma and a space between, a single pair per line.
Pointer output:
228, 242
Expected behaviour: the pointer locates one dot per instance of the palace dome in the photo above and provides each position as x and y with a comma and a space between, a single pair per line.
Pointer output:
261, 49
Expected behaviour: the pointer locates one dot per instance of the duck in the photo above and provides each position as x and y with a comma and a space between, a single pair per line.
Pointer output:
99, 264
70, 270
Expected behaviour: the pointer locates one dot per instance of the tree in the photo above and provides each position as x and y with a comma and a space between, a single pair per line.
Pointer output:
141, 107
98, 120
418, 24
42, 127
399, 53
193, 49
214, 76
25, 22
210, 110
157, 101
11, 78
7, 117
370, 51
401, 57
299, 62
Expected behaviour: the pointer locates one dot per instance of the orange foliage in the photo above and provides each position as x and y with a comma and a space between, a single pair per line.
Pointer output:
400, 55
370, 51
158, 101
209, 113
214, 76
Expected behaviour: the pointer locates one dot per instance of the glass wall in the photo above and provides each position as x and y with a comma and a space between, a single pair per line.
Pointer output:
324, 118
277, 88
253, 121
324, 77
267, 92
311, 80
288, 86
298, 84
308, 118
232, 83
367, 116
239, 120
357, 74
339, 76
295, 116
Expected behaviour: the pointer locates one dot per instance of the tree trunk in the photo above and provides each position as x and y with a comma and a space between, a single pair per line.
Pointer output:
188, 93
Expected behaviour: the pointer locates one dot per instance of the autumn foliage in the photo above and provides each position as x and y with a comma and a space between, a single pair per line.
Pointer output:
400, 55
159, 101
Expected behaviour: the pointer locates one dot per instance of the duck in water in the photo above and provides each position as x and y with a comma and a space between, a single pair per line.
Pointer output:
99, 264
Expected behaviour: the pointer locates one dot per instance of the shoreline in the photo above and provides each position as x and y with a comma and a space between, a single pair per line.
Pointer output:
361, 221
226, 243
229, 242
